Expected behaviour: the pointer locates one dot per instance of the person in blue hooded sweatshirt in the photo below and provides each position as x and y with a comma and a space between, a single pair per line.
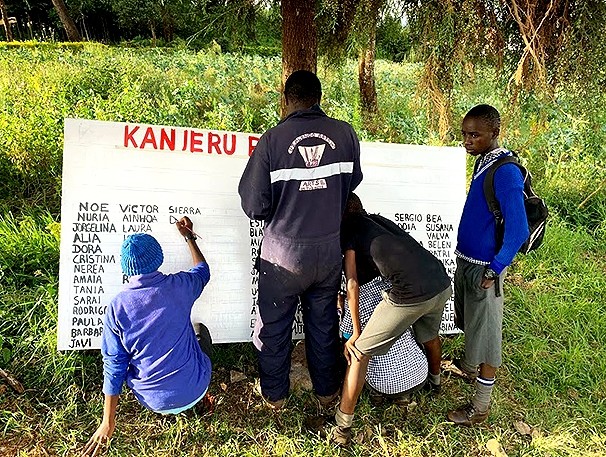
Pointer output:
148, 339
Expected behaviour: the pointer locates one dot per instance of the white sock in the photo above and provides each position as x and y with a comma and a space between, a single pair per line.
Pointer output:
434, 378
342, 419
481, 399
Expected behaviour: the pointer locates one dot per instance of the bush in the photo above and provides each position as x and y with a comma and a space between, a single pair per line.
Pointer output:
560, 140
29, 252
393, 40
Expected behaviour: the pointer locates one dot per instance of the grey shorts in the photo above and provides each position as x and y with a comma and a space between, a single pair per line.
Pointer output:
390, 320
479, 313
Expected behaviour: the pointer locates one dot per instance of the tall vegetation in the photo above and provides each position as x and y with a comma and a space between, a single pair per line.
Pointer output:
537, 47
533, 45
552, 386
557, 137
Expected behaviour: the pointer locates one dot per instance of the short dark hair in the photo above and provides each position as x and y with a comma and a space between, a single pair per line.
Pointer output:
353, 205
303, 85
487, 113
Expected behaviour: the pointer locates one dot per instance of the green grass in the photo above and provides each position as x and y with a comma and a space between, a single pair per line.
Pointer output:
555, 325
562, 140
561, 296
552, 377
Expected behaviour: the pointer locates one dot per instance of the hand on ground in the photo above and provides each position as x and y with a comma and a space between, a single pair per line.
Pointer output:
99, 441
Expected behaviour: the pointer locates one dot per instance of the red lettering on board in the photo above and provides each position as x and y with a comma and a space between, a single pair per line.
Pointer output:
214, 141
165, 140
229, 151
160, 138
185, 137
149, 138
252, 143
128, 136
195, 141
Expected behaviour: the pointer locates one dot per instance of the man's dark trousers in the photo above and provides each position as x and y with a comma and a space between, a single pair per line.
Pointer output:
293, 272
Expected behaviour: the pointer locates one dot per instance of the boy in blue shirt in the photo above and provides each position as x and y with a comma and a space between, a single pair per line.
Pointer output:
148, 339
482, 259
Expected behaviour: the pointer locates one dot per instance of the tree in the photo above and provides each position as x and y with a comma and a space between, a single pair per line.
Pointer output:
366, 61
337, 20
352, 25
534, 44
299, 39
550, 35
7, 25
454, 36
232, 24
137, 16
68, 24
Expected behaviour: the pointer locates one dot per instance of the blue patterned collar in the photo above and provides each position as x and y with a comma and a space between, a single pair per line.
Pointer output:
486, 160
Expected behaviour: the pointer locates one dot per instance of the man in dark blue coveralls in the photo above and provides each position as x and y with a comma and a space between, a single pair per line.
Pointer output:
297, 181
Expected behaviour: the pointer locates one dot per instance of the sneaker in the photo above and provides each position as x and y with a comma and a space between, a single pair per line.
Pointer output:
207, 405
325, 427
376, 398
433, 389
467, 415
274, 405
341, 436
328, 403
401, 399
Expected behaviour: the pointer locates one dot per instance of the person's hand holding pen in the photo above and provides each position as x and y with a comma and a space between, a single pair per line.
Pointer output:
186, 229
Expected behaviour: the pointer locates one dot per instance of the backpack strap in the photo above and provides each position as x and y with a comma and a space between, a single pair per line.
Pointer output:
489, 193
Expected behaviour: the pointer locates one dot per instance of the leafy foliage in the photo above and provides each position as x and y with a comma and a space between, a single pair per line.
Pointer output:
29, 253
554, 324
220, 91
41, 85
538, 48
232, 24
393, 39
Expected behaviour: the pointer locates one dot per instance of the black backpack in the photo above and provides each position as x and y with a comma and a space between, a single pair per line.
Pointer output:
536, 209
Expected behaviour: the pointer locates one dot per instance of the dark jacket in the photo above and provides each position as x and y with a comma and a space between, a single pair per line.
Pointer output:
299, 176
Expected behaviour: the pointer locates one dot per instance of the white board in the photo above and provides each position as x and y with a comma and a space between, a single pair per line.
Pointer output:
122, 178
